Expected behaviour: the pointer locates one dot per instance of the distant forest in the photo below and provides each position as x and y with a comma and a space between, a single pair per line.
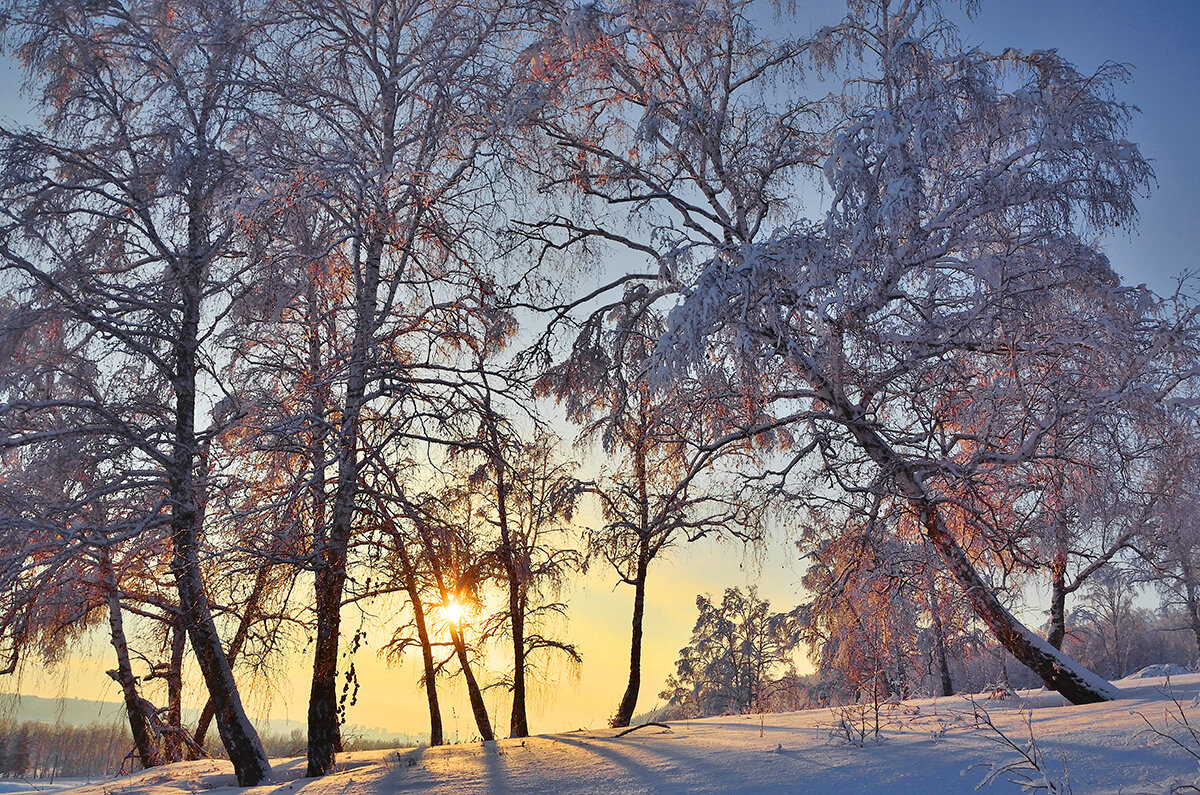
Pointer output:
37, 750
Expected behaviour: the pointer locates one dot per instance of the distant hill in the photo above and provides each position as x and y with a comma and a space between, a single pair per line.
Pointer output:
84, 712
71, 711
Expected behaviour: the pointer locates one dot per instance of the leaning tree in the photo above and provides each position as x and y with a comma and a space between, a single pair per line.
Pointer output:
946, 317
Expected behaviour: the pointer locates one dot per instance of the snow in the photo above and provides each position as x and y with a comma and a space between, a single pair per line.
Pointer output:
21, 786
1158, 671
929, 746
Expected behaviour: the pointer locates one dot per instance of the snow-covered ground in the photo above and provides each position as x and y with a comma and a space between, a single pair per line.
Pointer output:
928, 746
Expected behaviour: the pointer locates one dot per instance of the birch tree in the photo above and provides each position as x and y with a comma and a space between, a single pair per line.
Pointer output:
390, 104
675, 127
528, 494
918, 325
662, 485
120, 212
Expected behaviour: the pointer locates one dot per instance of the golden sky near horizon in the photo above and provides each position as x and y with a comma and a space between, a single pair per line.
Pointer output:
391, 699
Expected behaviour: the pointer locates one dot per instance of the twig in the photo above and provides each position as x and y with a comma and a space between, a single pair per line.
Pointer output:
642, 726
1030, 770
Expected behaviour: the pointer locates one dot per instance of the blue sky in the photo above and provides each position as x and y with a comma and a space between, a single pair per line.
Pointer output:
1160, 40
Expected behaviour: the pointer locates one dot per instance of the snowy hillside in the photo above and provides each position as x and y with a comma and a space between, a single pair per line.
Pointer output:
927, 746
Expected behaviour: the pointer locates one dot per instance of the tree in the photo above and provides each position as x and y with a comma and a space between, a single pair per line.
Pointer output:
738, 652
528, 494
914, 334
1092, 503
403, 565
661, 484
447, 537
119, 217
389, 104
1168, 554
862, 624
1113, 623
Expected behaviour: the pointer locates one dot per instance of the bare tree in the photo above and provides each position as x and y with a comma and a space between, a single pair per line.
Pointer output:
447, 536
528, 494
121, 215
1091, 503
661, 484
405, 566
664, 119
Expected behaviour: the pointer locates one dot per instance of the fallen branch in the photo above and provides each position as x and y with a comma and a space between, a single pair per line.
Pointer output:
642, 726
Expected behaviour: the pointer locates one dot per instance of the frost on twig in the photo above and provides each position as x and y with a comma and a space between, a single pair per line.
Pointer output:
1029, 770
1178, 730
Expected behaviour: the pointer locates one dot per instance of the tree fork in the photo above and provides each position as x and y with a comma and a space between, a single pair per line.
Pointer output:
139, 723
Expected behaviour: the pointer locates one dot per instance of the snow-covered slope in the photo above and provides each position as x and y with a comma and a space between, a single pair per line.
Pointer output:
927, 746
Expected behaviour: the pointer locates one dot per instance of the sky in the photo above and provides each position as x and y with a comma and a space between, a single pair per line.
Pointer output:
1159, 39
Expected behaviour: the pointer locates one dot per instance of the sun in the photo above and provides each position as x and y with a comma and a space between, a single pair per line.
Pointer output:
453, 611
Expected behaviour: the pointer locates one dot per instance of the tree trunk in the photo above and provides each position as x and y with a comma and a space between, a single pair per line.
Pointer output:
519, 724
250, 614
324, 733
628, 703
947, 684
237, 735
173, 745
414, 596
250, 762
1058, 603
939, 641
1060, 673
1058, 573
139, 723
478, 708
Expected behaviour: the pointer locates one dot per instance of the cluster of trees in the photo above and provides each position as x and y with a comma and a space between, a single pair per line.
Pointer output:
40, 750
1094, 537
740, 659
288, 286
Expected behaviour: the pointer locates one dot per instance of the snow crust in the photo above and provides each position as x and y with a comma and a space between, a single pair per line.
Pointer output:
929, 746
